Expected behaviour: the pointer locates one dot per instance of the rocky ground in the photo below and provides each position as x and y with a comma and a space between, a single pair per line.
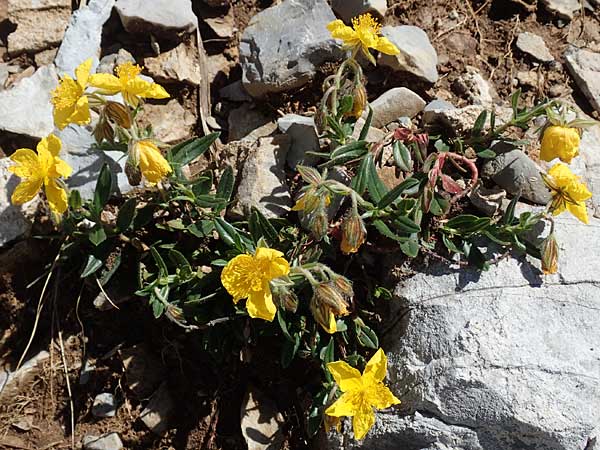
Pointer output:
505, 360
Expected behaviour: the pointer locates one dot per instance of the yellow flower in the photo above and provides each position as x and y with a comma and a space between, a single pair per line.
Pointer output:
129, 83
363, 35
560, 142
41, 168
568, 192
151, 162
248, 276
361, 393
70, 103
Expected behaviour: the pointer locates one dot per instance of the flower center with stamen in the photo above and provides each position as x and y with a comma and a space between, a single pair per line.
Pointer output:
366, 24
128, 71
66, 93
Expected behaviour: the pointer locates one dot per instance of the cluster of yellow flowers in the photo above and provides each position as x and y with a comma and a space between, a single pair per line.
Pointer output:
71, 102
568, 192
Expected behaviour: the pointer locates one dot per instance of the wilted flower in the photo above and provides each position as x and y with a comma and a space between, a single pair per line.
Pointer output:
363, 35
361, 393
568, 192
354, 233
560, 142
128, 83
327, 303
549, 252
249, 276
68, 99
43, 168
146, 156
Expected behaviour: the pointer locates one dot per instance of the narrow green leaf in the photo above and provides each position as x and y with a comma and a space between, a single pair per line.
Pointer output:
395, 193
406, 224
225, 187
190, 150
126, 214
514, 102
103, 188
402, 156
97, 235
350, 147
327, 353
479, 123
411, 247
91, 266
359, 182
365, 129
160, 263
487, 154
377, 189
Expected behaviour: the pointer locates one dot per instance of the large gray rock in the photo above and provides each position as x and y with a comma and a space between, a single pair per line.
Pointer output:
78, 150
180, 64
516, 172
26, 109
584, 65
347, 9
248, 123
170, 122
395, 103
475, 88
83, 36
110, 441
589, 149
40, 24
564, 9
157, 414
104, 405
283, 46
417, 56
504, 359
457, 121
162, 18
303, 135
15, 221
263, 184
534, 45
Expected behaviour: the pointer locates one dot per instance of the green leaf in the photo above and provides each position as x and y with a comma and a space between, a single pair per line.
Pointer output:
289, 350
377, 189
181, 263
365, 129
402, 156
393, 195
509, 215
487, 154
327, 353
97, 235
103, 188
347, 148
366, 336
514, 102
411, 247
345, 105
359, 182
467, 223
406, 224
475, 256
452, 248
441, 146
163, 272
203, 183
75, 201
261, 227
91, 266
229, 234
188, 151
225, 187
210, 201
126, 214
479, 123
348, 156
382, 227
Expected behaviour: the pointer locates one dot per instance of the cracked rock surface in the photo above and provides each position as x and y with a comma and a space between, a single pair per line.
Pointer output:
507, 359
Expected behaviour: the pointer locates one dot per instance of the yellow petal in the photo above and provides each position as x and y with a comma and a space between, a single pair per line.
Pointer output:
81, 112
346, 376
82, 73
339, 30
278, 266
45, 156
62, 116
331, 324
27, 163
137, 86
236, 275
347, 405
26, 190
380, 396
155, 91
376, 368
579, 210
109, 84
559, 142
131, 99
60, 168
384, 45
260, 305
362, 422
50, 144
152, 163
57, 196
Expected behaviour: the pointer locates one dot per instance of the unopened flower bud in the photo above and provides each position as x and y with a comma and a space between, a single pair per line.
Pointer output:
359, 97
319, 223
326, 304
103, 131
134, 174
344, 286
309, 174
320, 120
119, 114
549, 252
353, 234
287, 299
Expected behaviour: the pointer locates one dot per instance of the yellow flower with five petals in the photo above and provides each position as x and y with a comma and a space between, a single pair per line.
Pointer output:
148, 158
362, 35
43, 168
248, 276
68, 99
128, 83
568, 192
560, 142
361, 393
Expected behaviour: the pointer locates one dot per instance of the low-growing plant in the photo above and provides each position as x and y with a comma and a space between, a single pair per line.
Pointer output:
294, 281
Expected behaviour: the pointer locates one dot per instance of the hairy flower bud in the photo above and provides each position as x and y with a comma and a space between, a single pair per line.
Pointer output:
103, 130
549, 252
119, 114
326, 304
134, 174
353, 233
359, 103
286, 298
